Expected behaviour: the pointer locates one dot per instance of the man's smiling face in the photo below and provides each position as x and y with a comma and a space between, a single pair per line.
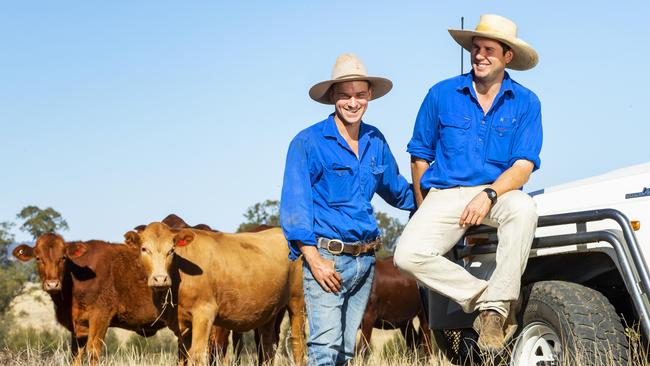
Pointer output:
489, 59
350, 100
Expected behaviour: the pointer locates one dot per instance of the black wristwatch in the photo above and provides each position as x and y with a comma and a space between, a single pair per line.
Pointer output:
492, 195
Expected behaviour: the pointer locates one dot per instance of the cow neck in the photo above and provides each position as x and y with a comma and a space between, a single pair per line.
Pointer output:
63, 299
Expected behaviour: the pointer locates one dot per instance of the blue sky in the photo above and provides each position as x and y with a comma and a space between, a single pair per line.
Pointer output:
118, 113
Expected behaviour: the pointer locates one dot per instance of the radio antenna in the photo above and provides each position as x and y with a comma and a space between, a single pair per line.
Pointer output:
462, 26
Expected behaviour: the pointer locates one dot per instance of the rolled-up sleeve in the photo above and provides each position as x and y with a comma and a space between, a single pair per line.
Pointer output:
296, 204
393, 187
425, 131
528, 138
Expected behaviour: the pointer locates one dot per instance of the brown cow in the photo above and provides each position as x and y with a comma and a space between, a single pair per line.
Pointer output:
81, 278
394, 302
295, 307
237, 281
218, 340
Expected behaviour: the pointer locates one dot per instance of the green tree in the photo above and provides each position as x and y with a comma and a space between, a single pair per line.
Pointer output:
390, 229
12, 273
12, 277
261, 213
38, 222
6, 238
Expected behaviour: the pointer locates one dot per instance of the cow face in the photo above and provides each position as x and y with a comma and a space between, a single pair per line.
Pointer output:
50, 253
157, 243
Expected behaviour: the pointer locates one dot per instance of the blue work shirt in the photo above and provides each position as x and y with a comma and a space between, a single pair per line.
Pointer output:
327, 189
467, 146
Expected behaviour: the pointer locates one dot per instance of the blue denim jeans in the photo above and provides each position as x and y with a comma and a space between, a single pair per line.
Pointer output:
335, 318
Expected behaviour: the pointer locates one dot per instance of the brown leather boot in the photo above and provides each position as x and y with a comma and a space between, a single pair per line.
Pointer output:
489, 326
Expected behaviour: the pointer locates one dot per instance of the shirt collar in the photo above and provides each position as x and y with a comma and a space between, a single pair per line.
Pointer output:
330, 129
465, 83
506, 85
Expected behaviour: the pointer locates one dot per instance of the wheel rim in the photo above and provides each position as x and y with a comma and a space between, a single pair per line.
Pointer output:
537, 345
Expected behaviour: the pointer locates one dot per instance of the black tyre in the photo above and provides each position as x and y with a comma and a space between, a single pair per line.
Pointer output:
565, 323
458, 345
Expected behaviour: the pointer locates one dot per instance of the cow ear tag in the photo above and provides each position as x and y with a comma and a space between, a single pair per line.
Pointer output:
75, 251
181, 243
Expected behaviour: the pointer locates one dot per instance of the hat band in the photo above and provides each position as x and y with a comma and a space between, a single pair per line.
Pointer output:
351, 76
488, 29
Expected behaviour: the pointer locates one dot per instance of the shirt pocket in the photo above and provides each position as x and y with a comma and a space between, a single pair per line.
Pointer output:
339, 181
453, 132
501, 139
373, 174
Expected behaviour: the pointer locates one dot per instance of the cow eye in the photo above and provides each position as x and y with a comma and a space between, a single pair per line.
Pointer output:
38, 259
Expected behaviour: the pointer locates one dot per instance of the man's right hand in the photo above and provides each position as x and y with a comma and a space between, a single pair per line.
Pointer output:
322, 269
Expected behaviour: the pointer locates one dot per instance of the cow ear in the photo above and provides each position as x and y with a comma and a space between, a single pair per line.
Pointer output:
183, 238
132, 239
23, 252
75, 250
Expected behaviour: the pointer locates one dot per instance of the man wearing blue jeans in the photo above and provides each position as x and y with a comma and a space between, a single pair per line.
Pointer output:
332, 171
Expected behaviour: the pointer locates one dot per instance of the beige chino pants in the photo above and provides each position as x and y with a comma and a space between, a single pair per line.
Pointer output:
435, 229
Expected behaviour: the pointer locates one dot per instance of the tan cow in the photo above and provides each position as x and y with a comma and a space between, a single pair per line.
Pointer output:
237, 281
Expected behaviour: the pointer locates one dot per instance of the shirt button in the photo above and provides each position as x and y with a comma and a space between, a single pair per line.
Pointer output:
483, 122
480, 139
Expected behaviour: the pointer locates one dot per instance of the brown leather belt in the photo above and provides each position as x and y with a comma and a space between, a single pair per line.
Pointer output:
337, 247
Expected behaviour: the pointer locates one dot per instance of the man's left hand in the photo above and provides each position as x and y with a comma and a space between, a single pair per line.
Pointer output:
476, 210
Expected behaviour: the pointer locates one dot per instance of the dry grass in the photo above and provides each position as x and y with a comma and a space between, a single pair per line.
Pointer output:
389, 349
48, 346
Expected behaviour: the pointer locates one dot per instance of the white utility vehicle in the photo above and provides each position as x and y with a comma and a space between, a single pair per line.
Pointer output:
585, 288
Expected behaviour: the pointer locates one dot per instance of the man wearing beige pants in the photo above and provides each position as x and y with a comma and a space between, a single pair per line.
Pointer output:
476, 140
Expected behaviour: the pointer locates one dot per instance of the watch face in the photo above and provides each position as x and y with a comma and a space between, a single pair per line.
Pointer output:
491, 193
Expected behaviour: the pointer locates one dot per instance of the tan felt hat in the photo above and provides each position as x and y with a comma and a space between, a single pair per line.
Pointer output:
348, 67
501, 29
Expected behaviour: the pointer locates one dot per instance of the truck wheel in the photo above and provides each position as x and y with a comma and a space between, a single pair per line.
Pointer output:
569, 324
458, 345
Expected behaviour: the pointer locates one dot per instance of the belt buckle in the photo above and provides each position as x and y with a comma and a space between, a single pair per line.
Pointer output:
335, 252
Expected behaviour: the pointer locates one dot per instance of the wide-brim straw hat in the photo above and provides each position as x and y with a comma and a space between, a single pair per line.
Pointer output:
501, 29
348, 67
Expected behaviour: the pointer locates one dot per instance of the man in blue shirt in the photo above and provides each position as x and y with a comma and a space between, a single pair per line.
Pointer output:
476, 140
332, 171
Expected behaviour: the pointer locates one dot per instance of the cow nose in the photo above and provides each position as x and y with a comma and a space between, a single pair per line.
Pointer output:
160, 280
52, 285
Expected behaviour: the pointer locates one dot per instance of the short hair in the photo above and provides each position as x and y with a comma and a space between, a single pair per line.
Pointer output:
505, 47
